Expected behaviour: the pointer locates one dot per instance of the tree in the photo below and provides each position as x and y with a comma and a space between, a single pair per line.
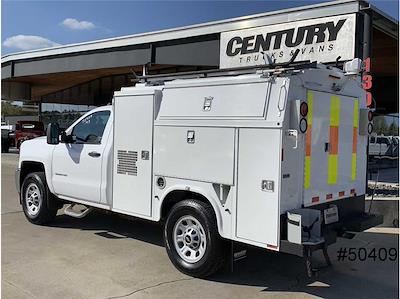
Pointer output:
9, 109
393, 129
380, 125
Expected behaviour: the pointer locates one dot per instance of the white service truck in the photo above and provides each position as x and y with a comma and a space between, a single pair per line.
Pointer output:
274, 158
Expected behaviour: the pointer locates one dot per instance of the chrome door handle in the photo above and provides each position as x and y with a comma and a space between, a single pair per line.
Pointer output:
94, 154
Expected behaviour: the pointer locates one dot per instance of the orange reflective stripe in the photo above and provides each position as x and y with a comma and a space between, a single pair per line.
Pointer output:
334, 140
308, 141
307, 160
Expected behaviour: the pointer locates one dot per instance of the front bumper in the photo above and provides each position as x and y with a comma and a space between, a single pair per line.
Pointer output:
17, 180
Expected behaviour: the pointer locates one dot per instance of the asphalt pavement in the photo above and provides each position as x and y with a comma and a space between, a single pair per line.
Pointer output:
108, 256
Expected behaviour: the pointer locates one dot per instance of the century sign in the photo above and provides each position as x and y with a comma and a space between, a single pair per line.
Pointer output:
322, 40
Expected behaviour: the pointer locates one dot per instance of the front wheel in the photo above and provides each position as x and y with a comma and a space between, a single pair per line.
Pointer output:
192, 240
34, 199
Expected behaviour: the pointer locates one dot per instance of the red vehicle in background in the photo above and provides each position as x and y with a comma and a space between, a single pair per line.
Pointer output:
25, 130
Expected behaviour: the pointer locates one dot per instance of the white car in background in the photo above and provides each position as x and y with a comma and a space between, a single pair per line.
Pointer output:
395, 146
383, 145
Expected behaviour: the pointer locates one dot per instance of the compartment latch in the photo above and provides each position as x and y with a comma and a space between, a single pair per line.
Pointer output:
190, 137
207, 103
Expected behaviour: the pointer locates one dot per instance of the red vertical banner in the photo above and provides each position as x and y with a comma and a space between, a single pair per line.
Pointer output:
367, 81
367, 65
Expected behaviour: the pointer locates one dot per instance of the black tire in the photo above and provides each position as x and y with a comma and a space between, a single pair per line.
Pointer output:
48, 207
4, 146
214, 254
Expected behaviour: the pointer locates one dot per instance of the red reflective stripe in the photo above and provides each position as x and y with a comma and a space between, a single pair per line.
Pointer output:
272, 247
315, 199
341, 193
329, 196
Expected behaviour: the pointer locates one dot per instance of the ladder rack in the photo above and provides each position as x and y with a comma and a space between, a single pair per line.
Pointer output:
275, 68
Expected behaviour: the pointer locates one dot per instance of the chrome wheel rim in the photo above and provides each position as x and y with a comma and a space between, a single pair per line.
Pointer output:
189, 239
33, 199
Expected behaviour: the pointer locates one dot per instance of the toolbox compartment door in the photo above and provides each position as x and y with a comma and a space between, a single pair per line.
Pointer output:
228, 101
207, 157
257, 210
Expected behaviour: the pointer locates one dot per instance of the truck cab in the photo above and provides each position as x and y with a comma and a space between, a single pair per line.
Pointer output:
236, 157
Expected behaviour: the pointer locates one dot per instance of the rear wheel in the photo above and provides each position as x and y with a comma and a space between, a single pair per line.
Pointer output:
34, 199
192, 240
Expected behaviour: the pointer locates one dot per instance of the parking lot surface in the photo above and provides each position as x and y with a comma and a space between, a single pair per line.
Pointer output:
107, 256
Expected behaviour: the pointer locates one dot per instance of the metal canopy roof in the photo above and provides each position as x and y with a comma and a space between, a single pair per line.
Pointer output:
54, 70
274, 17
382, 21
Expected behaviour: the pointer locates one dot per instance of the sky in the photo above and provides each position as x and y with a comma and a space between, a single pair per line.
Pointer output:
27, 25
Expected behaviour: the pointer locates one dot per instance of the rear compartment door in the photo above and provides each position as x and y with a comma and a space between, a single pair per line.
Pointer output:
331, 169
257, 209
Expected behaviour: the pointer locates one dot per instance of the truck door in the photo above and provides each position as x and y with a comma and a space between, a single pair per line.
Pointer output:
77, 166
133, 154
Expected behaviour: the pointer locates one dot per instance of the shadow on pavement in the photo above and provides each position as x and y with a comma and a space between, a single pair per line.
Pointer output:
113, 226
274, 272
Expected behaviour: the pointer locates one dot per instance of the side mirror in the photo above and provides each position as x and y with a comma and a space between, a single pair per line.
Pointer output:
64, 138
53, 131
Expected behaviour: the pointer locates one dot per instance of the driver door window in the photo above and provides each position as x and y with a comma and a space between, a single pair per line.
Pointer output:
77, 166
90, 129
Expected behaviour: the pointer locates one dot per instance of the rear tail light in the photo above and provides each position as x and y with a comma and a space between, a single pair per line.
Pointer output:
303, 109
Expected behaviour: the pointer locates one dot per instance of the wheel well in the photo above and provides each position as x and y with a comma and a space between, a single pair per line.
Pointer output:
28, 167
178, 195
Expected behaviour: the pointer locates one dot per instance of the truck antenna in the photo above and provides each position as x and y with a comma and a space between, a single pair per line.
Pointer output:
135, 76
294, 56
272, 62
268, 59
146, 69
